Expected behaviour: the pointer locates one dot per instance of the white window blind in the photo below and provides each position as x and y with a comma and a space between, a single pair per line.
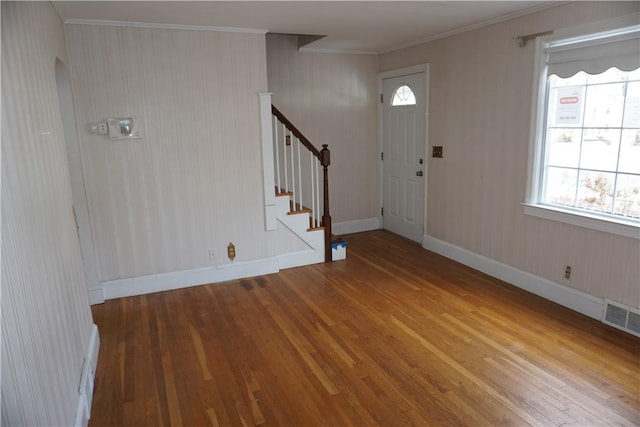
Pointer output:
595, 54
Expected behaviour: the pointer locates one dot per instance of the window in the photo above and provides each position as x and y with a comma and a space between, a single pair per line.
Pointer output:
403, 96
587, 142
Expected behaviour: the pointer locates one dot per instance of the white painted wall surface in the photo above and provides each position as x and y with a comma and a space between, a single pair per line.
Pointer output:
194, 181
332, 99
46, 320
480, 103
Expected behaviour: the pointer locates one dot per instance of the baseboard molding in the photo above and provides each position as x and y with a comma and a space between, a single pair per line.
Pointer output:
298, 259
96, 295
571, 298
87, 380
186, 278
356, 226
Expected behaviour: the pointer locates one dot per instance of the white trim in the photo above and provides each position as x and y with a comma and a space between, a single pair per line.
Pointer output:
87, 380
337, 51
183, 279
96, 295
571, 298
476, 26
537, 129
594, 27
593, 222
163, 26
298, 259
266, 138
356, 226
404, 71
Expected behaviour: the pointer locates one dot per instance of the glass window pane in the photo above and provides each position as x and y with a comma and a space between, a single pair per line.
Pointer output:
600, 149
595, 191
604, 105
630, 151
575, 80
560, 186
632, 106
634, 75
566, 106
403, 96
611, 75
564, 147
628, 196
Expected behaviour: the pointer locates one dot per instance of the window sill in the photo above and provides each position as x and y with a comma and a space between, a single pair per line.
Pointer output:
613, 226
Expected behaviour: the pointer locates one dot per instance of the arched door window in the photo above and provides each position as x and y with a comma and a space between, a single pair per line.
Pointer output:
403, 96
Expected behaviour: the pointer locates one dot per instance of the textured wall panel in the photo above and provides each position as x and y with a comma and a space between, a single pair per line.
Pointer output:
46, 321
193, 182
480, 103
332, 99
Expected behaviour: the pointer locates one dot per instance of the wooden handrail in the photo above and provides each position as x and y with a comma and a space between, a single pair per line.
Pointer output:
324, 157
294, 130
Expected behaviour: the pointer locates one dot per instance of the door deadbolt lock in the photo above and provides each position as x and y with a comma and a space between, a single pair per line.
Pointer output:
419, 173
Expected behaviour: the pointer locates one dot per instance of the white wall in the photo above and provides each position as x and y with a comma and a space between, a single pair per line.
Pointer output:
331, 98
480, 102
194, 181
46, 321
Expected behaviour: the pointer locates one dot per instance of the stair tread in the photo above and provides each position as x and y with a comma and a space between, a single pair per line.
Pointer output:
315, 228
301, 211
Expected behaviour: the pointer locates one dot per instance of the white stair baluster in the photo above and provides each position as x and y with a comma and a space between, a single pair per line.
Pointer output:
284, 156
313, 197
299, 175
315, 165
277, 152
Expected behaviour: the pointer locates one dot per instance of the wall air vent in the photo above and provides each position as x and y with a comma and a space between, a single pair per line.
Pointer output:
622, 317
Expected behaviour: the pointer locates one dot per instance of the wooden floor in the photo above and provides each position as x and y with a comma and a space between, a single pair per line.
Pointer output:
394, 335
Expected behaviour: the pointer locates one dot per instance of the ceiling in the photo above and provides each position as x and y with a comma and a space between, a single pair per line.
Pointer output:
355, 26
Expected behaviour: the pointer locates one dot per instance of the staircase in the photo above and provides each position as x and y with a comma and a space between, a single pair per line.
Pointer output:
294, 197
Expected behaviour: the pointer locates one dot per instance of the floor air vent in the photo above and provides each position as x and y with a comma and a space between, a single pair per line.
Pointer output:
622, 317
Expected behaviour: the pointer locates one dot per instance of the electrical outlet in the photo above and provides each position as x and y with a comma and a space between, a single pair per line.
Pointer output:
98, 128
212, 254
567, 272
231, 251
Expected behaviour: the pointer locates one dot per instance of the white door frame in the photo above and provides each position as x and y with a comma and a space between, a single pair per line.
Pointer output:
414, 69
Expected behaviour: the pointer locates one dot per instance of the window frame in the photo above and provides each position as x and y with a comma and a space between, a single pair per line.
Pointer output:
409, 103
535, 173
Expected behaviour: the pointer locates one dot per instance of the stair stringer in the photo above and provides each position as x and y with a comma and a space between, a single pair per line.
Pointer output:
298, 224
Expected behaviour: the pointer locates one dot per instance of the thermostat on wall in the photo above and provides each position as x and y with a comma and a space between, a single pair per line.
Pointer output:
124, 128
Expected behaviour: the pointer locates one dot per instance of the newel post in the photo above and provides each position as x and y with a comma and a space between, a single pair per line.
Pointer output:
325, 161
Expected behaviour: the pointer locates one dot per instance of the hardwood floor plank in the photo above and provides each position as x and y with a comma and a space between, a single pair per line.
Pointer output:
393, 335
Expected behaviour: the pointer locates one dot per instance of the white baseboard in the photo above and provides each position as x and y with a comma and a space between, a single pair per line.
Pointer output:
184, 279
297, 259
571, 298
87, 380
356, 226
96, 296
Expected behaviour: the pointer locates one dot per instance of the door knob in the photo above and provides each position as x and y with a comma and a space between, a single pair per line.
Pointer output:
419, 173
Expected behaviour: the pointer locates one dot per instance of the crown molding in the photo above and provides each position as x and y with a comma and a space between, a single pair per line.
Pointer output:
164, 26
338, 51
478, 25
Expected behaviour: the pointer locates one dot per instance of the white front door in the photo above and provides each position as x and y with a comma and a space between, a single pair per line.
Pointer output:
404, 160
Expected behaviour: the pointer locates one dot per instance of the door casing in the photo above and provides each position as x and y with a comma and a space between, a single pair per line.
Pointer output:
420, 68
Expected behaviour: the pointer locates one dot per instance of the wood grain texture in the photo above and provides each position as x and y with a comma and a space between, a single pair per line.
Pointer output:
480, 111
394, 335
